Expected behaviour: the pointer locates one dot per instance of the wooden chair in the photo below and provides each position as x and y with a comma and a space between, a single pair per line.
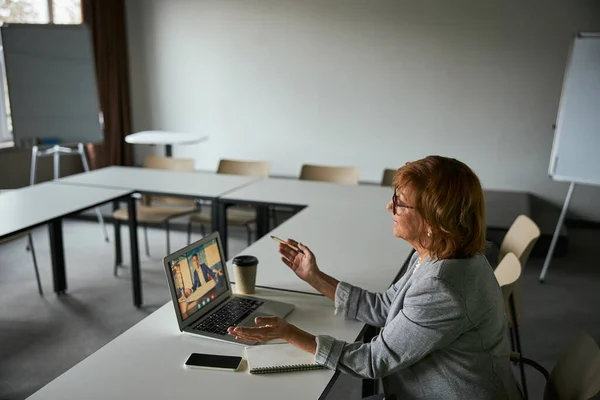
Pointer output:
158, 210
239, 215
507, 274
30, 248
388, 177
343, 175
576, 374
257, 169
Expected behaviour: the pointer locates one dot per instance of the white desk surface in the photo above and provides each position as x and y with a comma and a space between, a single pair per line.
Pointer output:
355, 244
300, 192
157, 181
34, 205
164, 138
146, 362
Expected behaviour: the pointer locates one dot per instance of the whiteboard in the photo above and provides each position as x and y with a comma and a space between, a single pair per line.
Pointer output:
575, 153
51, 80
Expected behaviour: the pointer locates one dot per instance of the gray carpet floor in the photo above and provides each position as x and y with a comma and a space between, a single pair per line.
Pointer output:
42, 337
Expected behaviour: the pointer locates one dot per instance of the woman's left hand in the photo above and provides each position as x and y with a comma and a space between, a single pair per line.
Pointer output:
271, 328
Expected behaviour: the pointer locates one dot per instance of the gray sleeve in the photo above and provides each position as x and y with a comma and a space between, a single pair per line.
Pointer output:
433, 316
359, 304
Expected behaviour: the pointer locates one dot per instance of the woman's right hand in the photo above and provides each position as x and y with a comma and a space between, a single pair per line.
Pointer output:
303, 265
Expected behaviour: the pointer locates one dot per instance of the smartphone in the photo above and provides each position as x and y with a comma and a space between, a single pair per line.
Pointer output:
213, 361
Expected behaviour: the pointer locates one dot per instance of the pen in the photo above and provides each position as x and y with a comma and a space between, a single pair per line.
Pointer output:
275, 238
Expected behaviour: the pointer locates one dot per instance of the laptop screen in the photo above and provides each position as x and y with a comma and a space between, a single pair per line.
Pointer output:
198, 278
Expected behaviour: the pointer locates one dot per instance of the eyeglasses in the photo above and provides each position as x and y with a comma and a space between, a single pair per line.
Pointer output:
396, 203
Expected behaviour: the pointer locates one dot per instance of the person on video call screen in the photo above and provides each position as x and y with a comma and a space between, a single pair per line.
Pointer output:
195, 276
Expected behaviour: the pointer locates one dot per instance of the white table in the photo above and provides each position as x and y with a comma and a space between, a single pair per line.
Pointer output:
146, 362
46, 203
168, 139
199, 185
352, 243
282, 191
298, 194
31, 206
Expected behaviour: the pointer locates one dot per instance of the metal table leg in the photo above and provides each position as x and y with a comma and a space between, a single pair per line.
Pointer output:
135, 253
57, 253
219, 223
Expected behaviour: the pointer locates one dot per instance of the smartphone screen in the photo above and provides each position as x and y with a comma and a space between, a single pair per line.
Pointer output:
213, 361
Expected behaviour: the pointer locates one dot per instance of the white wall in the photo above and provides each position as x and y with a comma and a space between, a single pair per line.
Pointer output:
371, 83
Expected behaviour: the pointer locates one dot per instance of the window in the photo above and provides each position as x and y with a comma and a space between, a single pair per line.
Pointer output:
31, 12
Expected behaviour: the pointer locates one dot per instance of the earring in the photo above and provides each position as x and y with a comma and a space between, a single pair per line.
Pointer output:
428, 233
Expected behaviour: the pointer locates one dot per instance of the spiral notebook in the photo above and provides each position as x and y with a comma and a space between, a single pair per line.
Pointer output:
275, 358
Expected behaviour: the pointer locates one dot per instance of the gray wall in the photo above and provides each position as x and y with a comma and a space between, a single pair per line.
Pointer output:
355, 82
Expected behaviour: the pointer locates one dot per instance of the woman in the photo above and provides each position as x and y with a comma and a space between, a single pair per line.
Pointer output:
445, 331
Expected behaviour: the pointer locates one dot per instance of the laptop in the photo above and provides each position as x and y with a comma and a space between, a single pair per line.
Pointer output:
201, 292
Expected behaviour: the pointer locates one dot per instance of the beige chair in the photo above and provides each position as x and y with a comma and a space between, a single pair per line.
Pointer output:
30, 248
507, 274
388, 177
257, 169
576, 374
158, 210
343, 175
519, 240
239, 215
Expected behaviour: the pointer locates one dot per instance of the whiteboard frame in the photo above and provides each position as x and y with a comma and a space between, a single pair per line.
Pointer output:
6, 135
559, 118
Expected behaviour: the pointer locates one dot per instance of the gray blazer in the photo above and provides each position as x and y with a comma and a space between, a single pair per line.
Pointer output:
444, 334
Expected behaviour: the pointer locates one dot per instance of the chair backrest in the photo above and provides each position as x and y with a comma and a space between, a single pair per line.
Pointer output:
388, 177
520, 239
258, 169
343, 175
508, 270
507, 274
172, 164
576, 375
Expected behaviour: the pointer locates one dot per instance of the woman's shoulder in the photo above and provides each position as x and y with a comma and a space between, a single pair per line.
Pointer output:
471, 279
461, 269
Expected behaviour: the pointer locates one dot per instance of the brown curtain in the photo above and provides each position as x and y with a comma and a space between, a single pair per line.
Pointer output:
106, 21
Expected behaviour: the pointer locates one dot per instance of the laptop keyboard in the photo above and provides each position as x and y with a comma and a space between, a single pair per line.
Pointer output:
232, 313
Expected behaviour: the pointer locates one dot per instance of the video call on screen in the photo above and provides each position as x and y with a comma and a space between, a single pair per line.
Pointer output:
198, 278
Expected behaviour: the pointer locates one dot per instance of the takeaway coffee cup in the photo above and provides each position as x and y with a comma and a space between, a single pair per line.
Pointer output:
244, 270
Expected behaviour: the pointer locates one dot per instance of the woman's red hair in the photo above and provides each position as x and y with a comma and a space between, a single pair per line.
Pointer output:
449, 197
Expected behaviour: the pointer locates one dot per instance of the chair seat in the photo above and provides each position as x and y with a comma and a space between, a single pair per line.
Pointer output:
153, 214
240, 216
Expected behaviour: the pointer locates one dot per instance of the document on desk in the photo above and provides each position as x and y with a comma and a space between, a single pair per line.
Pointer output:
275, 358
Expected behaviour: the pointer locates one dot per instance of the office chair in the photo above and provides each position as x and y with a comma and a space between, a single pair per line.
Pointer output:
576, 374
